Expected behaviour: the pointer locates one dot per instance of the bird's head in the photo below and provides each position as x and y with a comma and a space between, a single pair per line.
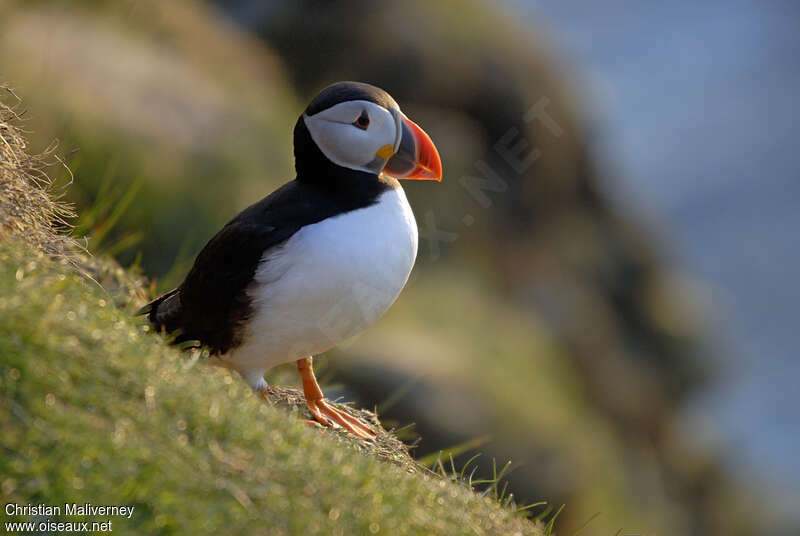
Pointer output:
360, 127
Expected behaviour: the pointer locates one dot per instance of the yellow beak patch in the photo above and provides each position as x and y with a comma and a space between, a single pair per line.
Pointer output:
385, 152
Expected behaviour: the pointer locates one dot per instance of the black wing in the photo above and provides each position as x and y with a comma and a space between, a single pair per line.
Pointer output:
211, 304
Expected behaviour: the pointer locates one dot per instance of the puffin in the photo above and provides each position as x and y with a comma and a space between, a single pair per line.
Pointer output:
319, 259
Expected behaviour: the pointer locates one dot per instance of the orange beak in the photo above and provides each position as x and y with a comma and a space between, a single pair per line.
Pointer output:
416, 157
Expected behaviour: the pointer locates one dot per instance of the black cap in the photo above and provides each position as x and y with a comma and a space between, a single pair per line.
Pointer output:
349, 91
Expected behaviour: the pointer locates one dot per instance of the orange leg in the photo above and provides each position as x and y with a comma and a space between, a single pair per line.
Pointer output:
323, 412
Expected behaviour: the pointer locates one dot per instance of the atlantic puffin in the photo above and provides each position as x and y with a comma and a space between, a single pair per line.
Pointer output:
319, 259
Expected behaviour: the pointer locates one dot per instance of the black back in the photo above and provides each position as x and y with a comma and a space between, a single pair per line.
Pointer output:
211, 305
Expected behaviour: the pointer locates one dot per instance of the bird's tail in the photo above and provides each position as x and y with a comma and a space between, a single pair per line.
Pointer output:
165, 312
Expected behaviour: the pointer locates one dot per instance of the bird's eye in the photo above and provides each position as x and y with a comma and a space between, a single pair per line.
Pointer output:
363, 121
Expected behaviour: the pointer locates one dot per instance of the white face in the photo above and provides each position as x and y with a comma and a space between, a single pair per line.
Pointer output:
356, 134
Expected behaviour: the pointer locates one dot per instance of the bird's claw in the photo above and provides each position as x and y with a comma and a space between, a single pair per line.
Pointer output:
327, 415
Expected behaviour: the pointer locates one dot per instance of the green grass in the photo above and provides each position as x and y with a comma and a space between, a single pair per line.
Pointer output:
94, 409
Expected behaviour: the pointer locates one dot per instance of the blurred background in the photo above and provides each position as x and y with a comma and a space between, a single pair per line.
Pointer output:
606, 284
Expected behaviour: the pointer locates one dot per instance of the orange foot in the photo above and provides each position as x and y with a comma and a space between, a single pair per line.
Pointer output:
325, 413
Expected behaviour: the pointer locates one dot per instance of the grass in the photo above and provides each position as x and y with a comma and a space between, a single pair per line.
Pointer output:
29, 208
496, 488
94, 409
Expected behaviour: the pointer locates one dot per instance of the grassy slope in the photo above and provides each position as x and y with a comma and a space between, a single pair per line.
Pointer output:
95, 410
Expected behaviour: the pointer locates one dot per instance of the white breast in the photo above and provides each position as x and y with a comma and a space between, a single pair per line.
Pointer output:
328, 282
